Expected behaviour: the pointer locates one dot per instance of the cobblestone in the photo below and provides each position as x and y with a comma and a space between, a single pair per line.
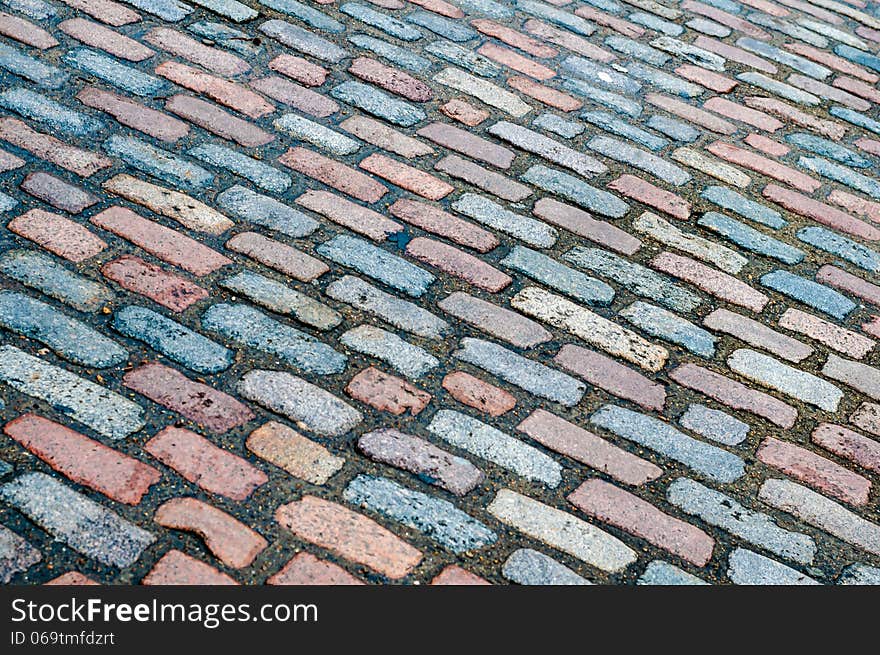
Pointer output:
340, 293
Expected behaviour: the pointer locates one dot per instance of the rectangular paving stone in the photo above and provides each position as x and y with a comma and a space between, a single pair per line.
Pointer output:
525, 373
604, 97
294, 95
458, 263
121, 76
661, 323
821, 512
82, 524
691, 114
497, 321
104, 411
266, 212
215, 60
178, 206
529, 567
583, 224
572, 189
377, 263
385, 137
436, 518
230, 94
16, 62
708, 460
349, 534
734, 394
665, 232
26, 32
840, 246
48, 276
749, 568
396, 311
714, 424
57, 192
378, 103
318, 135
286, 448
562, 531
132, 114
212, 468
641, 159
544, 94
302, 40
333, 174
248, 326
605, 76
204, 405
318, 410
466, 58
547, 148
493, 215
387, 393
403, 356
400, 56
840, 339
167, 289
857, 375
477, 393
340, 210
718, 284
756, 528
391, 79
302, 70
739, 204
277, 255
406, 177
489, 93
810, 293
751, 239
282, 299
158, 163
83, 460
757, 334
831, 129
165, 243
585, 447
817, 471
662, 573
840, 279
468, 144
177, 342
558, 276
177, 568
425, 460
711, 166
591, 327
435, 220
642, 191
57, 234
491, 444
613, 377
630, 513
635, 277
218, 121
848, 444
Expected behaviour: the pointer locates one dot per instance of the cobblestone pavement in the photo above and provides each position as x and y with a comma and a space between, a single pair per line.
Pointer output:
439, 292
